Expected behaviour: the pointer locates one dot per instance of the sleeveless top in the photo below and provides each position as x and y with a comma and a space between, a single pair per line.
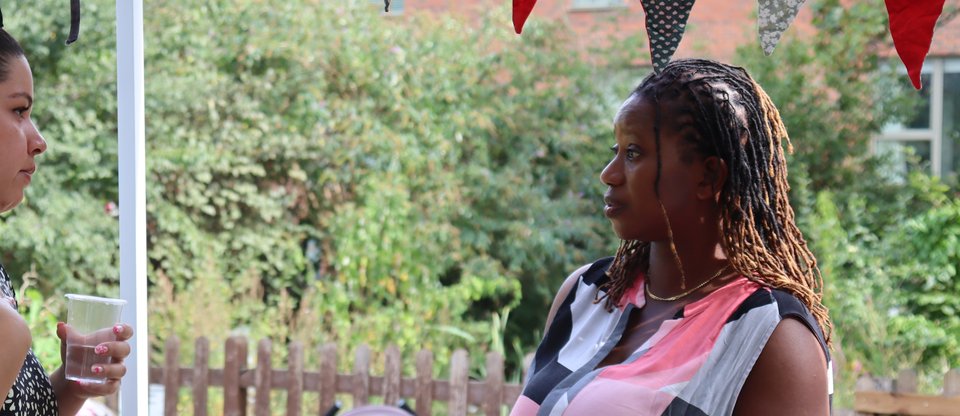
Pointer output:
694, 364
32, 393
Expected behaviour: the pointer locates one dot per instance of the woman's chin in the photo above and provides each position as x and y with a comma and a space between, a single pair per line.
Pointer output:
624, 233
632, 233
6, 204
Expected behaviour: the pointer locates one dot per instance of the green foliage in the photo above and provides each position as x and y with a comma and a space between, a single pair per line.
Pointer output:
61, 230
928, 261
41, 313
876, 329
369, 180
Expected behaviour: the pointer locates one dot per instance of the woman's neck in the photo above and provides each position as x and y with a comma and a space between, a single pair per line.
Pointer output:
695, 261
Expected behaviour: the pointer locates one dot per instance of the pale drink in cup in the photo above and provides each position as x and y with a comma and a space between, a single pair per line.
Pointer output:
90, 322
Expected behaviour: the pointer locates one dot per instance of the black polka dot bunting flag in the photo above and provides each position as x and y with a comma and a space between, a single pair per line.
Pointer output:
774, 17
666, 20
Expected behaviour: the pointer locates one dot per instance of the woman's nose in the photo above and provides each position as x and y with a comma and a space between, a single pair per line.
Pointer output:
612, 174
37, 144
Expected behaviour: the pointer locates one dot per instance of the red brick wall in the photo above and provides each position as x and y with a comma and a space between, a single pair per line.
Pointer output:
946, 38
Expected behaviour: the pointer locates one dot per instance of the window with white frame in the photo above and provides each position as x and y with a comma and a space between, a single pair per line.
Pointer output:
597, 4
932, 137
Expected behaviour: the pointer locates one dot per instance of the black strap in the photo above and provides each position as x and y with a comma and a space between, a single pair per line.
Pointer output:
386, 6
74, 21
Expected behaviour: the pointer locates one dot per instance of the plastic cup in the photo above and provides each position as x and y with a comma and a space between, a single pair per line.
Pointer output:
90, 322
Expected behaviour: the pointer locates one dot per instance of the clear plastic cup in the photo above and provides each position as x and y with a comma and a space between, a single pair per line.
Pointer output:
90, 322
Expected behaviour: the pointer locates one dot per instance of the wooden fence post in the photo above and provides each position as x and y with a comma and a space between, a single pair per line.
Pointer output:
493, 400
263, 381
951, 383
424, 386
459, 368
361, 376
171, 376
906, 381
201, 376
235, 363
295, 379
864, 384
391, 376
328, 377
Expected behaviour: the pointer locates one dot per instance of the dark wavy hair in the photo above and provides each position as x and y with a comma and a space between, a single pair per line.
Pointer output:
721, 111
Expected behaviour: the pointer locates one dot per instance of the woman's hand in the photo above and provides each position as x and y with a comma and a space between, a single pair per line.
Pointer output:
71, 394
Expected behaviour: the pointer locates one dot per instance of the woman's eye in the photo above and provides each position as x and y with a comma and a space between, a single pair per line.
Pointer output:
632, 154
20, 111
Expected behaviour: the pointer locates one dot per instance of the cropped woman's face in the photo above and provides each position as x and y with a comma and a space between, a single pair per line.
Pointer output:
20, 141
631, 201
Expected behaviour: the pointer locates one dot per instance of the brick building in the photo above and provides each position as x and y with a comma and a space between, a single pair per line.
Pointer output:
717, 27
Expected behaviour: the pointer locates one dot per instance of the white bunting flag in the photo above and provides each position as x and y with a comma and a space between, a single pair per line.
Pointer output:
773, 18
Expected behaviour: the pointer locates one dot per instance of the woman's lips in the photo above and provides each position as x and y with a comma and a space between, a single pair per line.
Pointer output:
612, 208
28, 173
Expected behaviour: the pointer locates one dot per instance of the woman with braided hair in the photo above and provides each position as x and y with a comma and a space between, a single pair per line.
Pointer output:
711, 305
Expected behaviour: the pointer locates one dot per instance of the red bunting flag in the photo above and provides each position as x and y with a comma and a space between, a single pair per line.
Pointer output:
911, 25
521, 10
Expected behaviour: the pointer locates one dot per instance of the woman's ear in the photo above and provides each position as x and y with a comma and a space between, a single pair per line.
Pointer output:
714, 177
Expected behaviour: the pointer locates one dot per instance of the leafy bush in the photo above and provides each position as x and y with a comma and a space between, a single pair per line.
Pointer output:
369, 180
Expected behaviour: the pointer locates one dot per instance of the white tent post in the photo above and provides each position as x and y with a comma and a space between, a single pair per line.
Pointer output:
133, 209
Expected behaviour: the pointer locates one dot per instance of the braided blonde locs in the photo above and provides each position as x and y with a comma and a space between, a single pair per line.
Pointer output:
631, 255
673, 246
782, 260
737, 121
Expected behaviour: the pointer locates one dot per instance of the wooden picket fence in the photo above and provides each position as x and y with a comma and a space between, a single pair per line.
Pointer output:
459, 392
899, 396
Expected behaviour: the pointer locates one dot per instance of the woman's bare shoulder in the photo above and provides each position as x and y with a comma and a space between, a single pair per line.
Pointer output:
14, 349
790, 376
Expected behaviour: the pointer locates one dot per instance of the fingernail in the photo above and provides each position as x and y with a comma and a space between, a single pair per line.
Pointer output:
97, 369
117, 329
60, 325
100, 349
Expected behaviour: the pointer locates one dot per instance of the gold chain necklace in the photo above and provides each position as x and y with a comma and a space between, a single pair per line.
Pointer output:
646, 287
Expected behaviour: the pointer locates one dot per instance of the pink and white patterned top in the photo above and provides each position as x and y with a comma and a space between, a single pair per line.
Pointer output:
694, 364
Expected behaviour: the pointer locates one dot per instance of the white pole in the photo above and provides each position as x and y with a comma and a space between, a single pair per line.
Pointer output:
133, 210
